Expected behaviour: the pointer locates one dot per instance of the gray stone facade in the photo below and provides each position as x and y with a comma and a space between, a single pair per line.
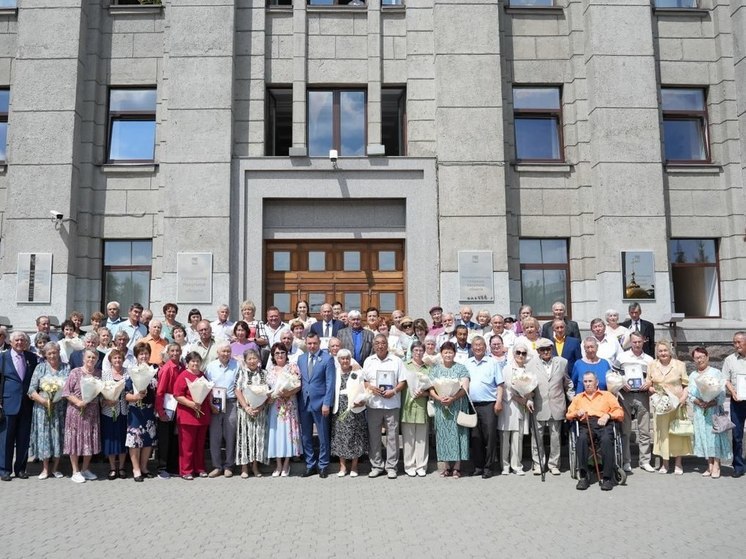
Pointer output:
212, 189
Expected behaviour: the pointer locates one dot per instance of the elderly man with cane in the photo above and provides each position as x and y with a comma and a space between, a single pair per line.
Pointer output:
593, 408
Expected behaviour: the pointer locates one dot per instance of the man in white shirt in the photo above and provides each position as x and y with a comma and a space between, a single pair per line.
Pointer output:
43, 327
383, 374
112, 316
223, 372
274, 326
132, 326
449, 326
222, 328
498, 328
635, 400
608, 346
205, 346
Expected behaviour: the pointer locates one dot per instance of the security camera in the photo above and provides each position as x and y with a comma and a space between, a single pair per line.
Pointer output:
333, 155
56, 215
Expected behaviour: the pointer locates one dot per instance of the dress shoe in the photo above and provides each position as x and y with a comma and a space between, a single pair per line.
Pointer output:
487, 474
583, 484
607, 485
228, 472
22, 475
554, 470
647, 468
309, 472
477, 472
6, 477
215, 473
737, 474
323, 474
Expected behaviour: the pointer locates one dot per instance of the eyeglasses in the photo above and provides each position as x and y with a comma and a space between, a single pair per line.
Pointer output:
545, 349
281, 353
407, 325
524, 353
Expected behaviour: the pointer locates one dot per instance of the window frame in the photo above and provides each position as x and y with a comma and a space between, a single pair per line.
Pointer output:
547, 266
4, 120
695, 7
336, 118
126, 268
517, 4
687, 115
539, 114
338, 4
401, 117
118, 116
690, 265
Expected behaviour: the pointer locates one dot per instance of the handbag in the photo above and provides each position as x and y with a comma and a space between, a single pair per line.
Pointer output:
682, 426
430, 408
721, 422
468, 420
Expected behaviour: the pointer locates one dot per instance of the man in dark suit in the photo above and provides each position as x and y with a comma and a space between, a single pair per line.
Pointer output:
356, 338
565, 346
314, 402
636, 324
559, 312
16, 366
328, 326
90, 340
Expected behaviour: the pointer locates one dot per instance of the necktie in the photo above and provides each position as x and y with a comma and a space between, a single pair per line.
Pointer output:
312, 362
326, 331
637, 326
20, 365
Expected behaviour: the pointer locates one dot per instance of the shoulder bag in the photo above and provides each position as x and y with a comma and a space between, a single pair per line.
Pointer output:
468, 420
721, 422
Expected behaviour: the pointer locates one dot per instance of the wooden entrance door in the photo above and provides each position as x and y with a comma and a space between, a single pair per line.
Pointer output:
360, 274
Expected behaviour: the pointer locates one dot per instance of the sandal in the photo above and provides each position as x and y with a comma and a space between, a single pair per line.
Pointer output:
112, 474
706, 474
446, 473
456, 474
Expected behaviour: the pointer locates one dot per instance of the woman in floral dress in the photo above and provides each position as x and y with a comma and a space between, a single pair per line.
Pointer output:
114, 418
47, 429
82, 429
349, 435
284, 427
251, 432
141, 424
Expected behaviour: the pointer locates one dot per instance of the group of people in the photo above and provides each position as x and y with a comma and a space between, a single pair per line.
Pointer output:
348, 376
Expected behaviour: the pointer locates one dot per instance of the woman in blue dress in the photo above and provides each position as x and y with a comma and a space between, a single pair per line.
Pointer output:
284, 425
141, 421
48, 419
451, 439
707, 444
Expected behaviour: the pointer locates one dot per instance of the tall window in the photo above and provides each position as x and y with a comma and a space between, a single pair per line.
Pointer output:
393, 120
127, 267
675, 3
684, 124
4, 107
279, 121
545, 274
538, 123
336, 120
695, 277
132, 124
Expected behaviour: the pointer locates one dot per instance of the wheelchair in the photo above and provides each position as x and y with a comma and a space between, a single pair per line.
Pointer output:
620, 476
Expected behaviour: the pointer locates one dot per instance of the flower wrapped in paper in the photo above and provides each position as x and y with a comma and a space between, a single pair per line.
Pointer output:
199, 389
614, 382
90, 387
524, 382
51, 387
357, 398
417, 382
663, 402
256, 393
111, 390
286, 381
446, 387
141, 375
68, 346
709, 385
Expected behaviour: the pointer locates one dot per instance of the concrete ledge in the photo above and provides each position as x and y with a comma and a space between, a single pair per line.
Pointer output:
693, 169
134, 9
8, 11
298, 152
681, 12
562, 168
535, 10
129, 168
343, 8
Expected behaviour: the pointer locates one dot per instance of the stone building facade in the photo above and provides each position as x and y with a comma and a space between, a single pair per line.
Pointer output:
235, 171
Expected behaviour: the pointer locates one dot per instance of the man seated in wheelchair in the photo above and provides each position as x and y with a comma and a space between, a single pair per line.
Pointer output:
595, 407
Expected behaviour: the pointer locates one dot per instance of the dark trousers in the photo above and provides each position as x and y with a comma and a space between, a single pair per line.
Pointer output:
738, 416
15, 433
484, 436
603, 439
307, 420
168, 447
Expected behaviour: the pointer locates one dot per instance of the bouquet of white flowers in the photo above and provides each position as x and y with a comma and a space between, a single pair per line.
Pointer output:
285, 381
417, 382
524, 382
357, 397
199, 390
663, 402
90, 387
256, 393
111, 390
51, 386
446, 387
614, 382
141, 375
709, 385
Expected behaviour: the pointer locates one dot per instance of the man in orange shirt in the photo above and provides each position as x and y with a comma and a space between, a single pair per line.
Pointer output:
156, 342
595, 407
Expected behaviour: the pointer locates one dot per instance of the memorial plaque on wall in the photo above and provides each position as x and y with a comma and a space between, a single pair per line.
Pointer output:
475, 276
34, 277
194, 277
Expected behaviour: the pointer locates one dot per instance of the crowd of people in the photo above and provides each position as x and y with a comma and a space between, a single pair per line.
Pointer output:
257, 392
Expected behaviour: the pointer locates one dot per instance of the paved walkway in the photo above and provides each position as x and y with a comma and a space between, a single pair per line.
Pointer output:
509, 516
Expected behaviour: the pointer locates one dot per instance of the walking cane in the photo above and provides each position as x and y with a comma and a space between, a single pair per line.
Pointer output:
593, 448
539, 445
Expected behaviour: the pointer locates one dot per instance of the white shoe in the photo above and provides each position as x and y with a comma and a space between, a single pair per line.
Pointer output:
554, 471
411, 472
647, 468
78, 478
537, 471
43, 475
276, 473
520, 472
341, 473
421, 472
353, 473
391, 474
58, 475
627, 467
375, 472
506, 472
88, 475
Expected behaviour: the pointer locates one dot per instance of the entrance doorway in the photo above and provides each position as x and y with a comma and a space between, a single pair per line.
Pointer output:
359, 274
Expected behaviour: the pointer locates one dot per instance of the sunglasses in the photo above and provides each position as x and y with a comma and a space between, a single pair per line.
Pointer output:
407, 325
524, 353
